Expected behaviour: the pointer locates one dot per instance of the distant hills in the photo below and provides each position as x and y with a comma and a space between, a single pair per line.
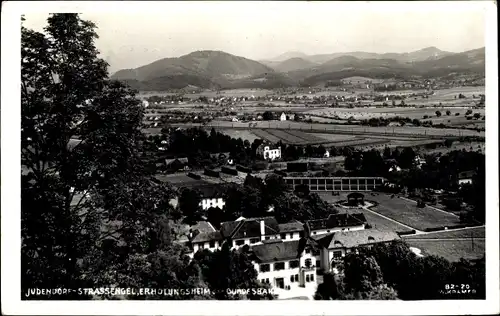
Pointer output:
217, 69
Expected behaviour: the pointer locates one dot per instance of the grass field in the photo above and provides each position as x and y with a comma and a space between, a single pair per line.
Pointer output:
452, 250
409, 214
377, 222
305, 127
238, 133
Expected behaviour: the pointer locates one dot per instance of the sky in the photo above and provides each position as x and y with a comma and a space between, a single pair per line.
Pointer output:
132, 35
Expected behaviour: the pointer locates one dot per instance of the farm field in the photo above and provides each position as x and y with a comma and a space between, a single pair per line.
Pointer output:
452, 250
236, 133
334, 138
476, 232
387, 112
409, 214
287, 136
316, 127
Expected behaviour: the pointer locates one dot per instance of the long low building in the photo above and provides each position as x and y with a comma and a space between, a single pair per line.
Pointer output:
336, 183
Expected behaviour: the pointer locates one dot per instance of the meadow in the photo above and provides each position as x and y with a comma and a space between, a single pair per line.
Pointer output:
450, 249
408, 213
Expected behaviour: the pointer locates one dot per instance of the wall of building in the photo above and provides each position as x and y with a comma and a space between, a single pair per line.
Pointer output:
290, 236
336, 229
272, 274
215, 202
206, 245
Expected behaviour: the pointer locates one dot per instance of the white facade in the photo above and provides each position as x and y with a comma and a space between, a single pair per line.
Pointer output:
283, 117
290, 236
212, 202
268, 153
210, 245
327, 154
464, 181
288, 273
318, 232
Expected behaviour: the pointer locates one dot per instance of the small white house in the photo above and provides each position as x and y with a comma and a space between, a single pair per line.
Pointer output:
327, 154
267, 152
283, 117
145, 103
235, 119
216, 202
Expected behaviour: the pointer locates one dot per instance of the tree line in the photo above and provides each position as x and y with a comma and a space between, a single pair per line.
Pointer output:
392, 271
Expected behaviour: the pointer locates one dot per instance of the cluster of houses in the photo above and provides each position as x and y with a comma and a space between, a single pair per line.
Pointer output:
289, 255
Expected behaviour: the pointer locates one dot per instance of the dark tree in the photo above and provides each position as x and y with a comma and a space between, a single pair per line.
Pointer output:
86, 199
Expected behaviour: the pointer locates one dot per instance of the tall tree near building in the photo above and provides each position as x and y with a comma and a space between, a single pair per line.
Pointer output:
79, 197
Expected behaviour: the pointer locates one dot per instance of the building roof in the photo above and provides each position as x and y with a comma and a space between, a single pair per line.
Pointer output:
466, 174
337, 220
207, 236
291, 227
203, 227
249, 228
355, 238
278, 251
211, 190
182, 160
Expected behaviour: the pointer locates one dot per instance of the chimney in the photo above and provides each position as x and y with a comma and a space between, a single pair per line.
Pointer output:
262, 228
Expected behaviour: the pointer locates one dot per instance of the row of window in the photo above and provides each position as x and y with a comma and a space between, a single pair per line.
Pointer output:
309, 277
315, 252
265, 281
343, 229
266, 267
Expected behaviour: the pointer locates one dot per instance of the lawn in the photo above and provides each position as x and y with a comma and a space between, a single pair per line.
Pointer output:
377, 222
265, 135
409, 214
450, 249
476, 232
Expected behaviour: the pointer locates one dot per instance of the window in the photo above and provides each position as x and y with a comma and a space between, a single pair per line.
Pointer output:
307, 277
291, 278
328, 231
318, 263
201, 245
240, 242
265, 268
308, 263
291, 235
296, 278
279, 266
308, 250
267, 281
267, 237
212, 244
316, 252
254, 240
294, 264
337, 254
314, 233
312, 278
263, 281
283, 236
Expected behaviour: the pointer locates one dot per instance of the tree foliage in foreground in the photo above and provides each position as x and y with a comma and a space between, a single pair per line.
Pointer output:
91, 215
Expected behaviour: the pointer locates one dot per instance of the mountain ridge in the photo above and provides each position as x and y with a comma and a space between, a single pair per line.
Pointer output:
218, 69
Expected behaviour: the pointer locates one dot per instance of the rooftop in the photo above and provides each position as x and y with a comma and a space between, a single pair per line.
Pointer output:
278, 251
248, 228
337, 220
207, 236
352, 239
203, 227
291, 227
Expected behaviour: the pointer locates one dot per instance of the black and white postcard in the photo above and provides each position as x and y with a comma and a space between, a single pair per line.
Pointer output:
249, 158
